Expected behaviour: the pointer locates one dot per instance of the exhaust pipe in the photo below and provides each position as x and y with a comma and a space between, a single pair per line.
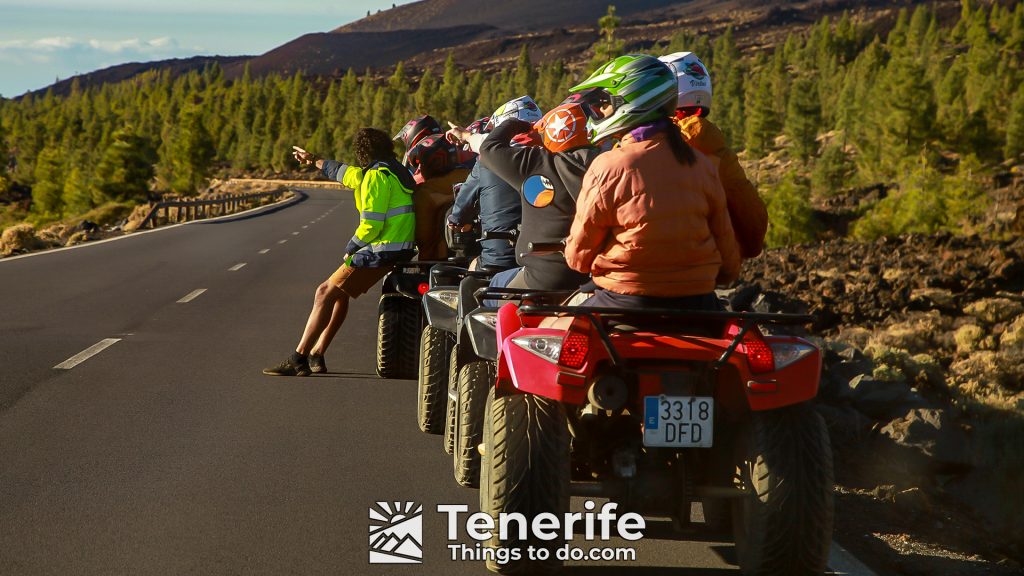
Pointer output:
609, 392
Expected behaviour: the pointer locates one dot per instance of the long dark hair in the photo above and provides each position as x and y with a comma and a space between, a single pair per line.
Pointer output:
372, 145
680, 149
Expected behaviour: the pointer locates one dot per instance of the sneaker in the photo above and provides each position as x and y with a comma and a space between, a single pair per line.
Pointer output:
289, 367
317, 364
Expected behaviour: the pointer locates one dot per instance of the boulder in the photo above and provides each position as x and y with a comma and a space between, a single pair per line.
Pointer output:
931, 434
19, 238
969, 338
883, 400
845, 424
933, 299
1012, 339
995, 310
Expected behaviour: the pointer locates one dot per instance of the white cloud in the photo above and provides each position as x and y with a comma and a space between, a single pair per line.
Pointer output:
35, 62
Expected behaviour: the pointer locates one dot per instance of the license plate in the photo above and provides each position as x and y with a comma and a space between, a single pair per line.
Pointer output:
679, 421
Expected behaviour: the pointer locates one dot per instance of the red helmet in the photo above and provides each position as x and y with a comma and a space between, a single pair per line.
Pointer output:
564, 128
432, 156
416, 129
477, 126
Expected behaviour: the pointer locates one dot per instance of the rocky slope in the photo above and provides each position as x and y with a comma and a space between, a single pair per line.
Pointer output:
922, 389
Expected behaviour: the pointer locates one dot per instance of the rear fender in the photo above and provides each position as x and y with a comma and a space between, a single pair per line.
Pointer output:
793, 384
508, 322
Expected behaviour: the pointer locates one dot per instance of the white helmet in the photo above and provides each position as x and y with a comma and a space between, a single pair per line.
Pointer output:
693, 77
522, 108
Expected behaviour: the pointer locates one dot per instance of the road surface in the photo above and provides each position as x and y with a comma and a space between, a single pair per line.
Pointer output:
138, 436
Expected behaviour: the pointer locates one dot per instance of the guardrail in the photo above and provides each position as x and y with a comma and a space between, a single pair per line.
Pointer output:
188, 210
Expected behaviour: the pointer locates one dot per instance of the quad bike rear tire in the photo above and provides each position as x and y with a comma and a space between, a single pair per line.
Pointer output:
398, 337
432, 381
784, 525
475, 379
453, 390
527, 471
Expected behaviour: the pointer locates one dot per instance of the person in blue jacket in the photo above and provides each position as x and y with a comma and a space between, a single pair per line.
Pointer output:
486, 195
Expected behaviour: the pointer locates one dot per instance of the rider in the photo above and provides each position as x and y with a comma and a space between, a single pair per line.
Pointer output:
383, 196
746, 209
486, 194
549, 179
433, 160
651, 224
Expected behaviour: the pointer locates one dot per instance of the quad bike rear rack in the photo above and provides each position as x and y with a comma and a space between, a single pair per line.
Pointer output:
747, 321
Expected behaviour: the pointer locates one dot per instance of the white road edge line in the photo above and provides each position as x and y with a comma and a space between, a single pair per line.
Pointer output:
237, 267
842, 563
289, 201
191, 296
265, 250
86, 354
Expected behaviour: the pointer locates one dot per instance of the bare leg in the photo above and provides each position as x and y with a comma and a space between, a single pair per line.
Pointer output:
326, 296
337, 319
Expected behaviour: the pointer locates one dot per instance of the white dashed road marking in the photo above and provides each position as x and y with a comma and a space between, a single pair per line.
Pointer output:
265, 250
87, 353
295, 233
282, 241
305, 226
237, 267
191, 296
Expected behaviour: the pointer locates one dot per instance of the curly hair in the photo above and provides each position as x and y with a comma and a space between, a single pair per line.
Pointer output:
372, 145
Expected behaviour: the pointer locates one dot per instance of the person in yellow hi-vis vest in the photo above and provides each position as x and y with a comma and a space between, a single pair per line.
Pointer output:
385, 236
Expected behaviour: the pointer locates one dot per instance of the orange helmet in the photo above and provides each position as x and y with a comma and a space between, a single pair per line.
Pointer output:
564, 128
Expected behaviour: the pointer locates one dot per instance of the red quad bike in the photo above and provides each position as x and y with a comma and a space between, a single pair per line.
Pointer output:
656, 409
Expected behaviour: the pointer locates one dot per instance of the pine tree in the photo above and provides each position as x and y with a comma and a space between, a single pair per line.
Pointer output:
908, 118
608, 46
803, 119
832, 170
728, 82
48, 187
190, 152
1015, 128
77, 192
762, 123
126, 167
791, 220
526, 76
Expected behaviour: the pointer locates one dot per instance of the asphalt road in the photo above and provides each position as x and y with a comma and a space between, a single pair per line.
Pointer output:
168, 452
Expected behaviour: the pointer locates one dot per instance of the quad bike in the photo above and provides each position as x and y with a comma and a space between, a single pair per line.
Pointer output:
400, 317
476, 369
439, 351
656, 409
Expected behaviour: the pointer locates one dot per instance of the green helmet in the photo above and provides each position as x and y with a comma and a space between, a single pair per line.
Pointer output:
641, 88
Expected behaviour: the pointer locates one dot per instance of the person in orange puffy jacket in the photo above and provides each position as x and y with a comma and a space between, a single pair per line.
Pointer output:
651, 224
746, 209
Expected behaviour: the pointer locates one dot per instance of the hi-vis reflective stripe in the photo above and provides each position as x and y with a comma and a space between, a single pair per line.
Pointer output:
407, 209
359, 242
392, 246
382, 216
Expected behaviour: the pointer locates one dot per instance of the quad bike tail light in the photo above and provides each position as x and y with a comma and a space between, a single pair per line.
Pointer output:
575, 348
570, 350
759, 354
423, 288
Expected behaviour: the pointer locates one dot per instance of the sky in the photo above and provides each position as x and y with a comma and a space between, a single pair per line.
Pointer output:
43, 40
